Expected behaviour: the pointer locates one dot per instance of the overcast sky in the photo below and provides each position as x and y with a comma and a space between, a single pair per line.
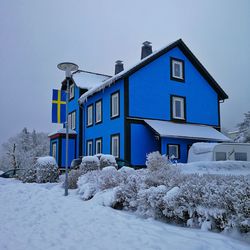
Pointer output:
37, 35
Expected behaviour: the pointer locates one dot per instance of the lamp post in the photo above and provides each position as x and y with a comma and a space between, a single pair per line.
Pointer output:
68, 68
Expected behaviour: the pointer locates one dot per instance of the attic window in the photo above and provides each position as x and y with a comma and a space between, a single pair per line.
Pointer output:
177, 69
71, 91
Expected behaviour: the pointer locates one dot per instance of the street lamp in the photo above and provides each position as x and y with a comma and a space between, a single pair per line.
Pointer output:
68, 67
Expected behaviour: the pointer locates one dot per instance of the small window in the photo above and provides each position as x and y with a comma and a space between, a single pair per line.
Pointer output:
54, 150
240, 156
115, 145
89, 147
71, 91
73, 120
70, 120
115, 109
173, 151
220, 156
90, 115
178, 108
98, 146
98, 111
177, 69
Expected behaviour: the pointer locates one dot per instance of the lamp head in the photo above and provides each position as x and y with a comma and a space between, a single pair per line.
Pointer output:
67, 67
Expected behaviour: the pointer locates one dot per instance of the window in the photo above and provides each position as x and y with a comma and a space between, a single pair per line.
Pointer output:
98, 111
90, 147
54, 149
115, 145
115, 108
240, 156
90, 115
178, 108
98, 146
72, 120
69, 120
220, 156
71, 91
173, 151
177, 69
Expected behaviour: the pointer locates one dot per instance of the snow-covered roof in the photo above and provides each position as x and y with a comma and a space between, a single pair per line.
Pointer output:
88, 80
149, 58
62, 131
118, 76
190, 131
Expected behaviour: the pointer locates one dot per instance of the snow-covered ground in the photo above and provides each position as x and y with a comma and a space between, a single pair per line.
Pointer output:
38, 216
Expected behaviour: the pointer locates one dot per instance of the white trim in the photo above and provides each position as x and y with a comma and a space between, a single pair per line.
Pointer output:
90, 115
89, 143
96, 146
175, 62
115, 102
73, 120
71, 91
115, 141
176, 99
98, 111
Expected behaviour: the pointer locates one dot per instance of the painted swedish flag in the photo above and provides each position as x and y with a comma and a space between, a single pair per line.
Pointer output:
59, 106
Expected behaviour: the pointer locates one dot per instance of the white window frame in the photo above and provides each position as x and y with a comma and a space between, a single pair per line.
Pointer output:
115, 96
177, 150
90, 144
73, 120
54, 149
174, 100
98, 141
71, 91
117, 138
90, 115
98, 111
70, 121
180, 63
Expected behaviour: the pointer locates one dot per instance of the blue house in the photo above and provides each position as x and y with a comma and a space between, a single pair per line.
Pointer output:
164, 103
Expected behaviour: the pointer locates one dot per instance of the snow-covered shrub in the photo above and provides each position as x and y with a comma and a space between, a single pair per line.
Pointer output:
73, 177
107, 160
90, 163
44, 170
156, 161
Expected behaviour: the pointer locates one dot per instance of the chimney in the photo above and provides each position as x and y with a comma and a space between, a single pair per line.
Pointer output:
146, 49
118, 67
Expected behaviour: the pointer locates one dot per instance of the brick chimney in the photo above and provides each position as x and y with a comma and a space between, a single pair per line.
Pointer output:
118, 67
146, 49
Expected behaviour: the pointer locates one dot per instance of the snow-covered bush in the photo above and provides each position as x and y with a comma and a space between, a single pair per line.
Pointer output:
156, 161
73, 177
44, 170
90, 163
107, 160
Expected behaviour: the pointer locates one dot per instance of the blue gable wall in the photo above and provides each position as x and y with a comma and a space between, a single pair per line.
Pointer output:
108, 126
150, 89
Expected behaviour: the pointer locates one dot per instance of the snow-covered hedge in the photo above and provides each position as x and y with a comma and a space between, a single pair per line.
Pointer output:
107, 160
90, 163
209, 201
44, 170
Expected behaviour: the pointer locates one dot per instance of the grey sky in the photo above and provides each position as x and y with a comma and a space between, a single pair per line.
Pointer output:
37, 35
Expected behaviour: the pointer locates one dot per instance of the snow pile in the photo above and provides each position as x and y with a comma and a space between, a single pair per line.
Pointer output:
107, 160
216, 167
40, 217
211, 202
44, 170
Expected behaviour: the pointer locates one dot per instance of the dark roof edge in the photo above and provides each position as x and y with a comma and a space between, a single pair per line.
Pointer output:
187, 52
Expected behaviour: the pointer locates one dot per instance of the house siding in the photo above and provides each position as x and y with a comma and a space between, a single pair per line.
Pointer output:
108, 126
150, 89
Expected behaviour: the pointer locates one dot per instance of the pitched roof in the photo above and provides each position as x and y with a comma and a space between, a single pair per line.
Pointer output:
88, 80
190, 131
186, 51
